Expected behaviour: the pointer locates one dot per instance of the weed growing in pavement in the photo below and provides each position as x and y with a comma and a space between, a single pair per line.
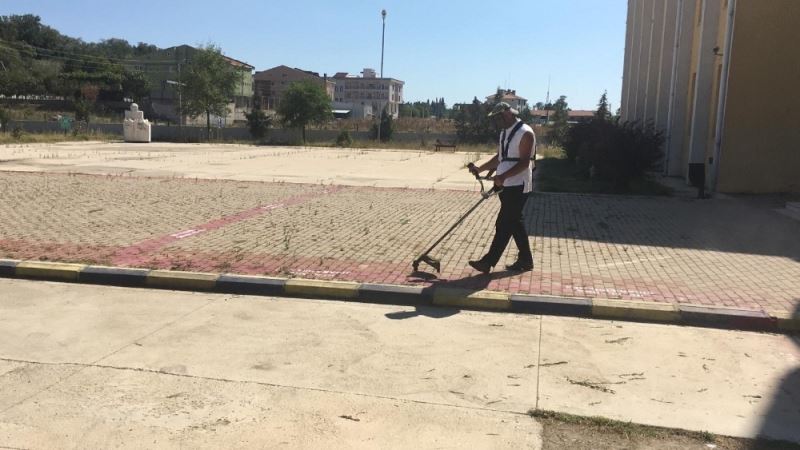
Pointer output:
223, 266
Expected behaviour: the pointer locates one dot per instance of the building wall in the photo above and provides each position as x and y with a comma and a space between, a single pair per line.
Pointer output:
679, 98
380, 93
627, 65
271, 84
166, 65
760, 149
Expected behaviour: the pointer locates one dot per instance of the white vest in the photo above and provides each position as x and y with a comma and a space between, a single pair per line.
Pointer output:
524, 178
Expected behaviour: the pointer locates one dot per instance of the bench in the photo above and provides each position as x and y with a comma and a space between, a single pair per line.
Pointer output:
444, 144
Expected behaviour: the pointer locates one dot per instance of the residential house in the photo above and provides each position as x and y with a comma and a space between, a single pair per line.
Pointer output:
509, 96
543, 116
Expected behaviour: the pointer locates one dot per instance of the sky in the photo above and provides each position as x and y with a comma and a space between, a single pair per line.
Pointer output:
455, 49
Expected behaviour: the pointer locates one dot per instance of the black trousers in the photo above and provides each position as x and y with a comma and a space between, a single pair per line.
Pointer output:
509, 224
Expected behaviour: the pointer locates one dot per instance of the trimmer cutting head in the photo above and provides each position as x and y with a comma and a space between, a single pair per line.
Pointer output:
433, 262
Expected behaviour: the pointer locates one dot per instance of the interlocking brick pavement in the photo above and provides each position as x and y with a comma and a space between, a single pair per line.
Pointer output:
714, 252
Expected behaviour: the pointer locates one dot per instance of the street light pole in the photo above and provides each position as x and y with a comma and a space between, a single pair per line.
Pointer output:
383, 35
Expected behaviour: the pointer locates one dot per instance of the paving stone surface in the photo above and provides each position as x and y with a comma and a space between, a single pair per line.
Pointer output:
722, 252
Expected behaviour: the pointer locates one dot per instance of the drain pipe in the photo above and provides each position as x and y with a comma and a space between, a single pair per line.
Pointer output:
723, 95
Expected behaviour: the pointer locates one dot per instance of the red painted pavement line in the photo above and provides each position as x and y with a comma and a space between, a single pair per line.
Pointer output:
138, 253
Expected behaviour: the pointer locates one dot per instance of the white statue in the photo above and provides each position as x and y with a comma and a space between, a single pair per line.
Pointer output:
135, 128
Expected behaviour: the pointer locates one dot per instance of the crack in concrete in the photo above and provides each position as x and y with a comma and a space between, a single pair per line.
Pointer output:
94, 363
245, 382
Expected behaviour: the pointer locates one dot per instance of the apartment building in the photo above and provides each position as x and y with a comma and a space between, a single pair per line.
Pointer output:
368, 94
163, 70
271, 84
720, 79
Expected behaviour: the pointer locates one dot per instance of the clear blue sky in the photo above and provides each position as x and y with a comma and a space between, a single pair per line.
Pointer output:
454, 49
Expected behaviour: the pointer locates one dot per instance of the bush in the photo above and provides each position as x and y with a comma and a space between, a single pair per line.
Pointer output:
4, 119
258, 123
610, 151
344, 139
387, 128
83, 109
17, 132
473, 124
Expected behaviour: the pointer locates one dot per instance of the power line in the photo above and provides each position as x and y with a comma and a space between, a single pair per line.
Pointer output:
24, 46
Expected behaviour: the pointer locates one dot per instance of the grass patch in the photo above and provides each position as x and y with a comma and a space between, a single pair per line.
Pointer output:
48, 138
557, 174
599, 432
627, 429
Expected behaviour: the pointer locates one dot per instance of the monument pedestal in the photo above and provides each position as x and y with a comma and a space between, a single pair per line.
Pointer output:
135, 128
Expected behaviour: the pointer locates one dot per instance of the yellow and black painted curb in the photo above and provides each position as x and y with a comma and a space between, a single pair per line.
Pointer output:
626, 310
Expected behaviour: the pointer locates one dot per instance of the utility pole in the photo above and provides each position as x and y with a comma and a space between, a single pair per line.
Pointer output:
547, 102
383, 35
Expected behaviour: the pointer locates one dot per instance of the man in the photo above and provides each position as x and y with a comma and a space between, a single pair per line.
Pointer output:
513, 165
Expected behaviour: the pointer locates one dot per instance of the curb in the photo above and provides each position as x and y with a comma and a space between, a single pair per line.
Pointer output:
625, 310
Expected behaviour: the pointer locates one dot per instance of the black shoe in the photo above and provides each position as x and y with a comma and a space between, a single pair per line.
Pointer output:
520, 266
481, 266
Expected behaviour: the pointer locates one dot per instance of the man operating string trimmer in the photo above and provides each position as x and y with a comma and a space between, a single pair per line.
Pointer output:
513, 165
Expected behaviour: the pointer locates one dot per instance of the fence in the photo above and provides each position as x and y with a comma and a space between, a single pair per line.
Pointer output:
176, 133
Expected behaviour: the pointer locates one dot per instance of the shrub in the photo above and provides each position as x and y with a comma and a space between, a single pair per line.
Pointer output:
344, 139
387, 128
612, 151
4, 119
258, 123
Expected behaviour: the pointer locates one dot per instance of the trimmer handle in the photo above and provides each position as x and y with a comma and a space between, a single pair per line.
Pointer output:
474, 170
484, 193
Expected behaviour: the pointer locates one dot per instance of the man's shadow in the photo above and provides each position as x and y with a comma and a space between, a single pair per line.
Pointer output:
782, 420
469, 285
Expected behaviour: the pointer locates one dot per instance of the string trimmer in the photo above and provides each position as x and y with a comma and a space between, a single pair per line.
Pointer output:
435, 263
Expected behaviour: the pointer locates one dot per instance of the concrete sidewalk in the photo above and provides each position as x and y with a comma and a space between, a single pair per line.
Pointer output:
114, 366
417, 169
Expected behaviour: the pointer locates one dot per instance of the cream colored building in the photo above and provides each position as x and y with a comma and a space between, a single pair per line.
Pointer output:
721, 78
271, 84
368, 92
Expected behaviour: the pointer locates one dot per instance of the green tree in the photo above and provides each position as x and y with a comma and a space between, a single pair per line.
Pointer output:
473, 124
4, 119
304, 103
560, 116
603, 112
258, 123
208, 86
83, 109
387, 128
135, 85
525, 115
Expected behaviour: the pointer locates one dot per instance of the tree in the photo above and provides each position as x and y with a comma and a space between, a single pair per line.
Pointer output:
303, 103
4, 119
135, 85
560, 117
387, 128
525, 115
603, 112
258, 123
473, 124
208, 84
